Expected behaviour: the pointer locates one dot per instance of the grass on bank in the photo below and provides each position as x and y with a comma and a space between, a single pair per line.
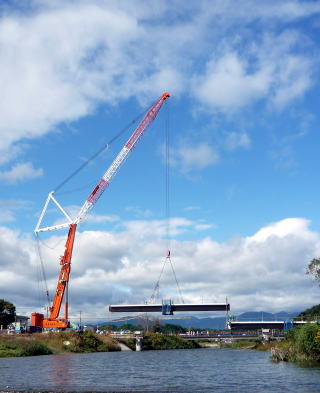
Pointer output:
243, 344
159, 341
22, 346
301, 344
55, 342
254, 343
165, 341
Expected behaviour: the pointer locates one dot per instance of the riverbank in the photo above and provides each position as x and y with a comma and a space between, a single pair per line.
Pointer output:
55, 343
254, 343
159, 341
301, 344
85, 342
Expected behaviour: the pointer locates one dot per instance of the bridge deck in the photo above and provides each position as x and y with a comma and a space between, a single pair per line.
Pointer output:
260, 324
256, 325
174, 307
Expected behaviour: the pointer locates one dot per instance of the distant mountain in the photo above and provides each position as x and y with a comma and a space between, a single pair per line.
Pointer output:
210, 322
265, 316
311, 312
199, 323
192, 322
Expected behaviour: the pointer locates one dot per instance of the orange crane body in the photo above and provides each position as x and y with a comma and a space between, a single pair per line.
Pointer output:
65, 261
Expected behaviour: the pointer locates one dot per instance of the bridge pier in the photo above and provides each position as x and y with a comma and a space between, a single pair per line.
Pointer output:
138, 343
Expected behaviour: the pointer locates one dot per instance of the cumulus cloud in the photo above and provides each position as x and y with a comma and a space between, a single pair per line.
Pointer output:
235, 140
20, 172
287, 10
59, 62
283, 158
262, 271
9, 155
9, 209
178, 226
193, 157
139, 212
273, 70
48, 64
102, 218
227, 86
191, 208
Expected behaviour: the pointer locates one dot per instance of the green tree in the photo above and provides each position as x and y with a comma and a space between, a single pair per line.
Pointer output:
170, 328
306, 340
109, 327
314, 269
7, 313
310, 313
129, 326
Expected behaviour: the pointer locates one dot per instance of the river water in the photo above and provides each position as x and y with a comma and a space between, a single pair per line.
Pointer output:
194, 370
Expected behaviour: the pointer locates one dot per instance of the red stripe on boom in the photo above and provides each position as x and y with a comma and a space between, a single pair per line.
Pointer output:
94, 196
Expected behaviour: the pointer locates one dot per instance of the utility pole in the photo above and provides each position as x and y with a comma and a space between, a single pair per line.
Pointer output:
80, 321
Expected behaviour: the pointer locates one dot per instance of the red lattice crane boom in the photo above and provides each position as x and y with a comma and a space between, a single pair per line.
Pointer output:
53, 321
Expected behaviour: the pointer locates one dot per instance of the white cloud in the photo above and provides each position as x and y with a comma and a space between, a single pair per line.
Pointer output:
191, 208
193, 157
98, 219
139, 212
282, 229
251, 10
262, 271
294, 80
228, 86
9, 208
203, 227
145, 229
235, 140
283, 158
60, 62
271, 69
9, 155
20, 172
48, 64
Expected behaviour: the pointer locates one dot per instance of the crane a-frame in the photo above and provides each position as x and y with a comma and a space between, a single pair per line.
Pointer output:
53, 320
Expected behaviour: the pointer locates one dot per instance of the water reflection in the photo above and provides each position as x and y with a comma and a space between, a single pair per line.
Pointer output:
62, 371
200, 370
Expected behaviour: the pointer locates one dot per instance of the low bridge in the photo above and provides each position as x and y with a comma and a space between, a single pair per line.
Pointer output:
256, 325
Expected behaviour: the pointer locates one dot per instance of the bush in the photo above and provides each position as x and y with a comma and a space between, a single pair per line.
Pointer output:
306, 342
89, 342
35, 348
310, 313
162, 341
23, 347
301, 344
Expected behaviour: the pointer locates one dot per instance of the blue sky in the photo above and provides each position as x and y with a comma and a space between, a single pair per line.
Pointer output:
244, 137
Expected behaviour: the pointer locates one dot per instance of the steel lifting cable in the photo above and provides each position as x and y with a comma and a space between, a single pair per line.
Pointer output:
167, 214
156, 288
167, 206
103, 148
47, 245
42, 270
